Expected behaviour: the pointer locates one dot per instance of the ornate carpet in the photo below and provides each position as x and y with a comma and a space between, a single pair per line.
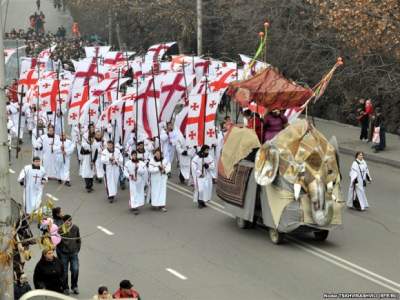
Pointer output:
233, 189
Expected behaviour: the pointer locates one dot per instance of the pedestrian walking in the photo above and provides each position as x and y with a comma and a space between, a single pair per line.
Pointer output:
68, 250
135, 171
49, 272
159, 168
359, 175
126, 290
363, 115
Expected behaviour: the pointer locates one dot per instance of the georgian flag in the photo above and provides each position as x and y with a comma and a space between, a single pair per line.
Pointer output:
221, 81
52, 94
78, 99
156, 52
200, 124
175, 88
97, 51
250, 70
90, 112
44, 56
107, 85
181, 120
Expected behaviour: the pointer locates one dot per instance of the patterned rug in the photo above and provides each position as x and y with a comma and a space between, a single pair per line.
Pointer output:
233, 189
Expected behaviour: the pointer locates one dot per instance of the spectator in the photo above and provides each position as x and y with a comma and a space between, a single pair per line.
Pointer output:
253, 121
68, 250
379, 134
102, 294
274, 122
49, 272
126, 290
57, 216
363, 118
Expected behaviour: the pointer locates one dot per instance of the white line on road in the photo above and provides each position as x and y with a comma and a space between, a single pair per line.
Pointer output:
11, 171
324, 255
105, 230
176, 273
52, 197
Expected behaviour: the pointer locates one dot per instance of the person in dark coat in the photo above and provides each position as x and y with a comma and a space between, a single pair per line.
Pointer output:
67, 252
57, 216
274, 122
49, 272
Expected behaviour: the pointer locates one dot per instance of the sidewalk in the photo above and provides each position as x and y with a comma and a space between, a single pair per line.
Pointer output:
349, 143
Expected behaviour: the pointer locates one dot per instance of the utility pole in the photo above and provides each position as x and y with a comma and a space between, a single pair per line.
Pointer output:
199, 27
6, 234
110, 27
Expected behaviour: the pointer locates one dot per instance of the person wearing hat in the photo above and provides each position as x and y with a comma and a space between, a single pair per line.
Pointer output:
67, 251
32, 177
202, 170
126, 290
159, 168
135, 170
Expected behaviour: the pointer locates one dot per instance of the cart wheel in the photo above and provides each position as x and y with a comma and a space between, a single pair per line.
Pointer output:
242, 223
321, 235
275, 236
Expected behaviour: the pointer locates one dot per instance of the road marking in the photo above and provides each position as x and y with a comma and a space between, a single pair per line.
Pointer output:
105, 230
52, 197
176, 273
11, 171
322, 254
189, 191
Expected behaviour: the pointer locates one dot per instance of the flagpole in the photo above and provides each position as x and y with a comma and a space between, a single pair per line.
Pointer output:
61, 114
54, 121
237, 104
136, 112
155, 105
184, 79
204, 123
37, 98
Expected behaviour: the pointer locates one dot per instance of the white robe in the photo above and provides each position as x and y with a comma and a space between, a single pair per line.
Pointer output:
14, 115
184, 160
168, 143
64, 161
202, 178
217, 150
111, 175
136, 182
50, 154
99, 146
33, 187
360, 172
158, 182
86, 166
37, 149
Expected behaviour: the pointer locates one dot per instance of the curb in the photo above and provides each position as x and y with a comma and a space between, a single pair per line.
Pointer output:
371, 157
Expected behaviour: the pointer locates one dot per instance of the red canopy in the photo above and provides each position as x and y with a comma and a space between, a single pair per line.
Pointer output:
271, 90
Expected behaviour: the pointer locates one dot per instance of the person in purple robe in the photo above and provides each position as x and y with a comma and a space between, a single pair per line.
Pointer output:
274, 122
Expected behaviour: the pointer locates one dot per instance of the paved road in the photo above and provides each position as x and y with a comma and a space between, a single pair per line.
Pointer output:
221, 261
20, 10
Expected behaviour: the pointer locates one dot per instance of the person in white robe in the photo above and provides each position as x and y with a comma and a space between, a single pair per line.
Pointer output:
185, 154
135, 170
14, 113
169, 137
99, 146
112, 160
86, 170
359, 175
202, 171
76, 137
32, 178
64, 159
57, 121
158, 170
38, 130
50, 144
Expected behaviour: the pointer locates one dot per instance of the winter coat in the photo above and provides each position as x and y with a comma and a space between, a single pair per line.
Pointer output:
49, 275
70, 242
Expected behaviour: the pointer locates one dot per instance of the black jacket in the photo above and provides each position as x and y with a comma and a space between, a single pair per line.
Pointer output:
71, 241
49, 275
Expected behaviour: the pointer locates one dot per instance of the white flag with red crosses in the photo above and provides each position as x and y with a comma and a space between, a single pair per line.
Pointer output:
78, 99
53, 94
200, 123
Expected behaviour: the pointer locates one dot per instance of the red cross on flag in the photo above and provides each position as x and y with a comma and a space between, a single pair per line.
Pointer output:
52, 94
200, 124
28, 78
107, 85
78, 99
32, 95
156, 52
97, 51
221, 81
44, 56
173, 92
90, 112
113, 58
